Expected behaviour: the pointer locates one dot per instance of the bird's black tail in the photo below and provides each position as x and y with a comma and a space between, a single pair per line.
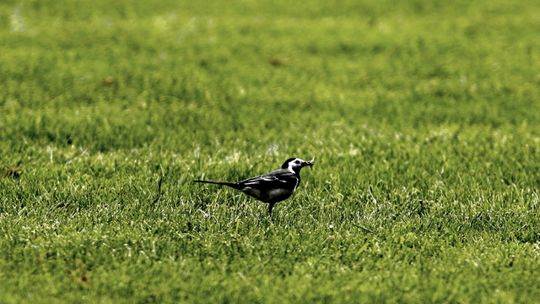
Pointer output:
229, 184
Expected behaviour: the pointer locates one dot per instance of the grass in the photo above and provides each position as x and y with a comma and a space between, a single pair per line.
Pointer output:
423, 116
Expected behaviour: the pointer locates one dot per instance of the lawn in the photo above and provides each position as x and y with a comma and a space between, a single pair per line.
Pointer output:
423, 117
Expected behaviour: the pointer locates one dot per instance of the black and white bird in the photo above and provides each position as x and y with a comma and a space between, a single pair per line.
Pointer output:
272, 187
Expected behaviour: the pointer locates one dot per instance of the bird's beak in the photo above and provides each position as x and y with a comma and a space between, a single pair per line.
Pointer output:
309, 162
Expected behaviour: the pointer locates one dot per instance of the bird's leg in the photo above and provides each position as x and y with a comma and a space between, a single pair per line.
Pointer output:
270, 207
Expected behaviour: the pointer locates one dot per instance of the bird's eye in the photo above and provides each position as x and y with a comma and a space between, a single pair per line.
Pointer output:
296, 162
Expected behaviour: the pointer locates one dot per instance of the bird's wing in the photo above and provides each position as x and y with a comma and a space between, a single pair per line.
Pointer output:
276, 185
279, 179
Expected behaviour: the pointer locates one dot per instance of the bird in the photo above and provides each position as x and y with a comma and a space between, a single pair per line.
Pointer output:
272, 187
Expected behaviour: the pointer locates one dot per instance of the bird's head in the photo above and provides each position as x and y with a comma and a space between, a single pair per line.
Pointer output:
295, 164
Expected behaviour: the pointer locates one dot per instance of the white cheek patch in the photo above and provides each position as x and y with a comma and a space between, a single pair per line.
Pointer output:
292, 165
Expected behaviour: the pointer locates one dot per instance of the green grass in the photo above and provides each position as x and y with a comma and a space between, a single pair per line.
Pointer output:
423, 116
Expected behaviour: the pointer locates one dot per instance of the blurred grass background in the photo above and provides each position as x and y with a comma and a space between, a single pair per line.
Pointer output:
423, 116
